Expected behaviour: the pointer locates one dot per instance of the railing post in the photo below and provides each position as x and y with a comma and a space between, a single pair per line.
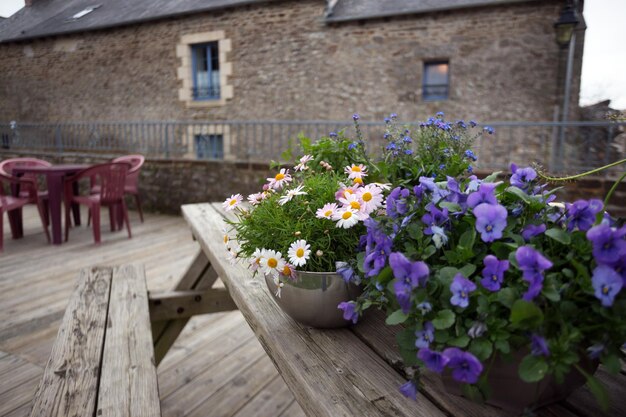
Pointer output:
167, 142
58, 140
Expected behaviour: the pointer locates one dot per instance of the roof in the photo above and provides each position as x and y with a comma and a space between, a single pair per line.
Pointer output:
345, 10
54, 17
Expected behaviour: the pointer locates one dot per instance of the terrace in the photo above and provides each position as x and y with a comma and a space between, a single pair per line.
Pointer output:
216, 364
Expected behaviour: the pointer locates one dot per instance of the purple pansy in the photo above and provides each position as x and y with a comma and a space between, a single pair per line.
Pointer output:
465, 366
582, 214
608, 243
606, 284
396, 202
425, 336
435, 361
349, 311
409, 390
474, 183
461, 288
408, 276
533, 230
490, 221
485, 194
538, 345
377, 248
596, 350
428, 184
532, 264
345, 270
522, 177
493, 273
620, 267
434, 217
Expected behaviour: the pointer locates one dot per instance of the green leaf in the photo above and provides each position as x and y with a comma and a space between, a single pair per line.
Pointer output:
481, 348
559, 235
468, 238
460, 341
468, 270
519, 193
525, 314
507, 296
444, 319
533, 368
493, 177
396, 317
428, 252
597, 389
415, 231
612, 363
447, 273
503, 346
385, 276
406, 345
452, 207
551, 293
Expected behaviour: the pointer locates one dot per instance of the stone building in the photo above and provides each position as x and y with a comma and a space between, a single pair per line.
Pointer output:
118, 60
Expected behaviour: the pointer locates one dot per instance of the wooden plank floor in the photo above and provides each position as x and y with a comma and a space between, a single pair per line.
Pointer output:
216, 367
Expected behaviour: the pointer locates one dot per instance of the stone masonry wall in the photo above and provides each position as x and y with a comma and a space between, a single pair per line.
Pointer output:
167, 184
288, 64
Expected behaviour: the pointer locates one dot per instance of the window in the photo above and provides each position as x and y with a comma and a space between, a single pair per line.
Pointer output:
209, 146
206, 71
436, 80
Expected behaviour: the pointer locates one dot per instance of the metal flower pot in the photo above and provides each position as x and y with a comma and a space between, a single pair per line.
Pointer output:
312, 298
509, 392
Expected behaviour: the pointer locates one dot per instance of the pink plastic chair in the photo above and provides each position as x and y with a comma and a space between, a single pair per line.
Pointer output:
110, 178
6, 168
132, 179
8, 202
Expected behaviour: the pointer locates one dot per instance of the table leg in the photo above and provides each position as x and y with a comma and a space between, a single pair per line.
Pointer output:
76, 207
15, 216
55, 196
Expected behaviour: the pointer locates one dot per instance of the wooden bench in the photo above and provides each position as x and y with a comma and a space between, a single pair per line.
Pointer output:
354, 371
102, 362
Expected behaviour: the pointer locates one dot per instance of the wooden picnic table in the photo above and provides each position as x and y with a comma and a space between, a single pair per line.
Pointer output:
347, 372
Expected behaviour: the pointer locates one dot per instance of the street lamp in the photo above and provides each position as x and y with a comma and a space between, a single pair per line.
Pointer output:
566, 38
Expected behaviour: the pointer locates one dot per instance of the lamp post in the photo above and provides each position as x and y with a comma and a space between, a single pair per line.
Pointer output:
566, 38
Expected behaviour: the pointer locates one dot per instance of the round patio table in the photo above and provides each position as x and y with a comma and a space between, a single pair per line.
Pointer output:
54, 181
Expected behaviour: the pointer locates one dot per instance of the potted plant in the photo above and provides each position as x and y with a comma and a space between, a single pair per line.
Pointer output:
304, 223
507, 294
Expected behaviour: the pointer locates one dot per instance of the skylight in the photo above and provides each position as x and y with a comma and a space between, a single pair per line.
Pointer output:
84, 12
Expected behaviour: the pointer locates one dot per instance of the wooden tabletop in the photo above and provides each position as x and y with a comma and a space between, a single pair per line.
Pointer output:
354, 371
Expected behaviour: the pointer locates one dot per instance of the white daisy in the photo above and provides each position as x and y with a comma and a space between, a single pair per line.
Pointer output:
281, 179
327, 211
346, 217
232, 202
303, 163
232, 257
256, 198
289, 272
353, 201
271, 262
371, 197
356, 171
255, 259
299, 252
279, 286
291, 194
383, 186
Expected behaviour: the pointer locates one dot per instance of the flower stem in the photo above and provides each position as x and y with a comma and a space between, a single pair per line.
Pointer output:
613, 188
584, 174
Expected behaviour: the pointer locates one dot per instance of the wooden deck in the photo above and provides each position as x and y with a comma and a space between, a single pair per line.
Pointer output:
217, 367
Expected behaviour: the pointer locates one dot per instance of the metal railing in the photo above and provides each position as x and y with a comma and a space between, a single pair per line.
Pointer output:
581, 146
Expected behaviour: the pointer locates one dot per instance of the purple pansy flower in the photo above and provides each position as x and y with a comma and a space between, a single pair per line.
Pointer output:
461, 288
538, 345
533, 230
485, 194
582, 214
408, 276
409, 390
433, 360
490, 221
522, 177
607, 284
345, 270
349, 312
434, 217
465, 366
493, 273
596, 350
608, 243
532, 264
428, 184
620, 267
455, 195
473, 184
396, 202
425, 336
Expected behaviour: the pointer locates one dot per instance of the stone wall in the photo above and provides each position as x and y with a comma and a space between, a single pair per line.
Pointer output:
288, 64
167, 184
